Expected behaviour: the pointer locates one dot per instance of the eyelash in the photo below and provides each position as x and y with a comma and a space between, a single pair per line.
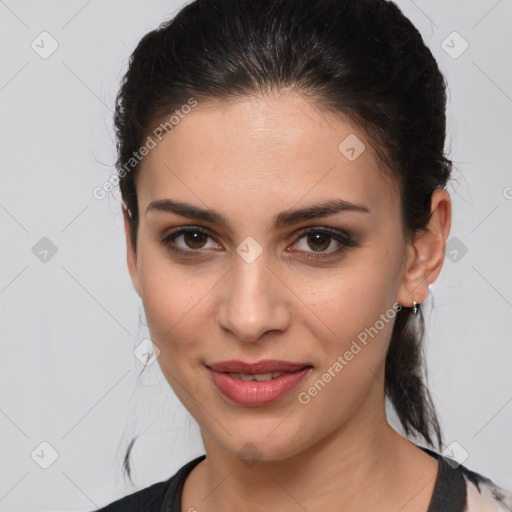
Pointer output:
345, 241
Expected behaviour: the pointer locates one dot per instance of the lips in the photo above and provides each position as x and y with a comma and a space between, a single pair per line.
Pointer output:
264, 366
256, 384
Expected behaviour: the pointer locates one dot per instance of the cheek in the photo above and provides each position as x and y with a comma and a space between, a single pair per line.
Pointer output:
347, 304
175, 303
350, 333
352, 361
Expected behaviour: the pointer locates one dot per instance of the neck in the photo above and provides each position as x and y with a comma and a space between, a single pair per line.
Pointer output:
364, 465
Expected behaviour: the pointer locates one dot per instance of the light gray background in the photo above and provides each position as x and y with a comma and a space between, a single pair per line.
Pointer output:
69, 325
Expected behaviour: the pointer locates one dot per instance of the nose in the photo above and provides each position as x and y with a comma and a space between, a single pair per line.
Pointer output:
254, 300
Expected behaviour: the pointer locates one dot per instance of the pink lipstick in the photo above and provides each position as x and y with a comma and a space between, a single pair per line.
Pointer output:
259, 383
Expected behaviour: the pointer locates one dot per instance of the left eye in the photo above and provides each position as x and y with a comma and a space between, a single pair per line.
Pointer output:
320, 239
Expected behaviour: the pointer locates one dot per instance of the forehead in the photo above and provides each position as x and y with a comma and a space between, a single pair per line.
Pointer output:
262, 151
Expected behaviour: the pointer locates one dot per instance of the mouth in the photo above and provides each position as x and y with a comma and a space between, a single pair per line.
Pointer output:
256, 384
258, 377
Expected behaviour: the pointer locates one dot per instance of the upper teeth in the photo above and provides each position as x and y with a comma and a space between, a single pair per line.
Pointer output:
259, 376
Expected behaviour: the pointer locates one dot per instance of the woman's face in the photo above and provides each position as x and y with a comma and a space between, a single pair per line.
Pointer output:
246, 284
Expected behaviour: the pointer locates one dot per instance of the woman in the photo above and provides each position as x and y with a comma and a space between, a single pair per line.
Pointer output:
283, 177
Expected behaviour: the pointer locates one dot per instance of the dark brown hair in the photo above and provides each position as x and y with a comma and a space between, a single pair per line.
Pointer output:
362, 59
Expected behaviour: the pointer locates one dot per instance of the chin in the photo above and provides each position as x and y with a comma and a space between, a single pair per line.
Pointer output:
254, 441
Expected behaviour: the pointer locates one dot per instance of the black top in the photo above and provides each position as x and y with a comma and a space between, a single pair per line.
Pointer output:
449, 491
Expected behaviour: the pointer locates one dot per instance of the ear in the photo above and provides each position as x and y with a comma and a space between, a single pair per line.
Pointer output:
131, 255
426, 252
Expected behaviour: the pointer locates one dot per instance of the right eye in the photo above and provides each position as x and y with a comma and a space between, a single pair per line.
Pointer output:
192, 237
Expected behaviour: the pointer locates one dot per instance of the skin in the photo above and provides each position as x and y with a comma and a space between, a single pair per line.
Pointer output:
249, 159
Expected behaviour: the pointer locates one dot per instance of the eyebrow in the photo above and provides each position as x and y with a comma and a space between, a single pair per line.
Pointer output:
285, 218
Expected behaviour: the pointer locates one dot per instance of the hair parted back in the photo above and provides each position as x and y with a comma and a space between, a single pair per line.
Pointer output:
361, 59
